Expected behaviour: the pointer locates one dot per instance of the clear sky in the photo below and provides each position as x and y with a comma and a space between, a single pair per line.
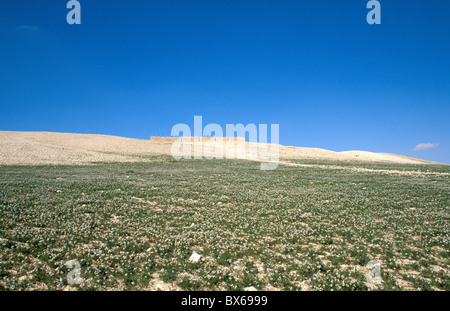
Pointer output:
136, 68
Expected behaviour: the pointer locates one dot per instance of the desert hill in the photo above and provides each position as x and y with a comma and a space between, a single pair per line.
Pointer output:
38, 148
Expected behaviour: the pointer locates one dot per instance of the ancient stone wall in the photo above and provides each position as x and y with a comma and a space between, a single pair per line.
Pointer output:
196, 139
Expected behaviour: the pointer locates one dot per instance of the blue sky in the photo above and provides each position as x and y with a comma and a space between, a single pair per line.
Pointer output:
136, 68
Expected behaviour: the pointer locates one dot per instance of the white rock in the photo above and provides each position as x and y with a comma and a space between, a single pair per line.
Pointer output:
250, 289
194, 257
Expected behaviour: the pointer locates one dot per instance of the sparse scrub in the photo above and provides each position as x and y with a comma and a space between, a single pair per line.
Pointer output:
307, 227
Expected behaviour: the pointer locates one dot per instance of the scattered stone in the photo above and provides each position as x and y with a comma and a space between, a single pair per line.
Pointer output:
194, 258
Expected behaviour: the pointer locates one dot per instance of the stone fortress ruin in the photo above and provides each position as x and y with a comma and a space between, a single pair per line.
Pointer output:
193, 139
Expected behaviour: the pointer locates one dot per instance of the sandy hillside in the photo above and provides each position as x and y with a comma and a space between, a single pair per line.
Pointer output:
36, 148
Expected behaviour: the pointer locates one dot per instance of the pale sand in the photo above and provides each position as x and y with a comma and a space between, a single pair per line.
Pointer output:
40, 148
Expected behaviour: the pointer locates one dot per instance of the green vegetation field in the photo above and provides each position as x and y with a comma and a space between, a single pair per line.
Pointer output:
310, 226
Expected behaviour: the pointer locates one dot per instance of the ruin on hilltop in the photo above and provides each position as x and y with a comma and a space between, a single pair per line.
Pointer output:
196, 139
